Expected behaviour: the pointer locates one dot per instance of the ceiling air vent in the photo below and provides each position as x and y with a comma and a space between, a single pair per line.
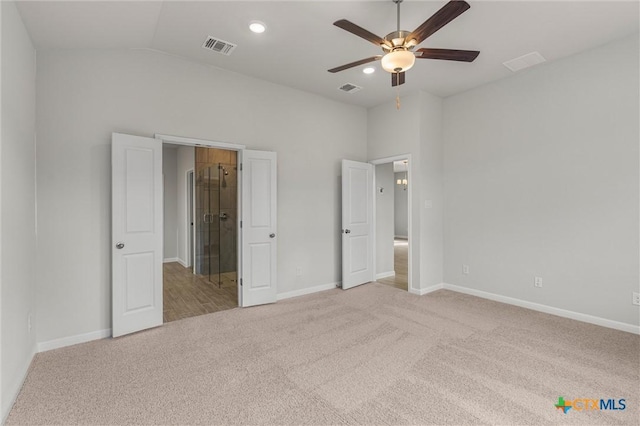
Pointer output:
349, 88
217, 45
525, 61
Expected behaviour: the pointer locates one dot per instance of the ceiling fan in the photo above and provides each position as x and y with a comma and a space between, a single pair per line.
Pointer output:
398, 46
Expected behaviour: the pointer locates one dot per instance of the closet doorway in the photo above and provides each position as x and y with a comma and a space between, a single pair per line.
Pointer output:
202, 277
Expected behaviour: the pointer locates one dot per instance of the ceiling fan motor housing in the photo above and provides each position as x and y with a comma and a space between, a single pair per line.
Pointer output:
397, 40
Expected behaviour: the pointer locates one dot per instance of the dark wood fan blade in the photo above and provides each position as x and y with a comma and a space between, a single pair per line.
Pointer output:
448, 54
356, 63
361, 32
448, 13
397, 79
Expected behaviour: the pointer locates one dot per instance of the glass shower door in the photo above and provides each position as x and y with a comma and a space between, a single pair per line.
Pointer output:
207, 224
216, 229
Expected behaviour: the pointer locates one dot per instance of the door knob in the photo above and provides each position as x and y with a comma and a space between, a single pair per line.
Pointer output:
120, 246
347, 231
272, 235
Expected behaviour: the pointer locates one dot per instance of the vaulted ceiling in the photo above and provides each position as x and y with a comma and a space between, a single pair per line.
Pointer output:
301, 44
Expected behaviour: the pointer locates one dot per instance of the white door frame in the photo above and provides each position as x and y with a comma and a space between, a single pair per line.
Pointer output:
410, 285
179, 140
191, 209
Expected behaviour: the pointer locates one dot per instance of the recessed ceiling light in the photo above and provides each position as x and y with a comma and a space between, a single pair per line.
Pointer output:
257, 26
369, 70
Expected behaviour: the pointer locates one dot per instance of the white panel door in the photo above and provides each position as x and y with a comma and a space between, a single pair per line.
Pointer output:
259, 231
357, 223
136, 167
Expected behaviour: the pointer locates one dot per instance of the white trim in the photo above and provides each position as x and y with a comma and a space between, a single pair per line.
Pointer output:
402, 237
15, 391
73, 340
385, 274
427, 290
171, 259
182, 262
629, 328
190, 233
239, 183
179, 140
386, 160
304, 291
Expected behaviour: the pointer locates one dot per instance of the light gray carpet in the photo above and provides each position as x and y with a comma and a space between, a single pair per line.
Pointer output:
370, 355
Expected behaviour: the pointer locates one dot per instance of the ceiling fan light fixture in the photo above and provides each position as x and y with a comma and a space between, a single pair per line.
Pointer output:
398, 61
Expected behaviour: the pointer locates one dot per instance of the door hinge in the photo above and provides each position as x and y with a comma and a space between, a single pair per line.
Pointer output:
240, 166
240, 281
240, 224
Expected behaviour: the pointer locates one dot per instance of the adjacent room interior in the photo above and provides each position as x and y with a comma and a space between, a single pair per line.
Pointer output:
520, 123
392, 224
200, 231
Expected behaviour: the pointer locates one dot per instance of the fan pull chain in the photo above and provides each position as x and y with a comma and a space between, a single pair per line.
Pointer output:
398, 94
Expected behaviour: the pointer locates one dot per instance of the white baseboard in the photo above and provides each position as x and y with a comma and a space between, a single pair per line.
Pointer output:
73, 340
171, 259
102, 334
305, 291
14, 389
629, 328
182, 262
385, 274
423, 291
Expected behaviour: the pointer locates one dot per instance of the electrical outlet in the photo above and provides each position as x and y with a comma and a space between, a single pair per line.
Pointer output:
537, 282
636, 298
465, 269
298, 271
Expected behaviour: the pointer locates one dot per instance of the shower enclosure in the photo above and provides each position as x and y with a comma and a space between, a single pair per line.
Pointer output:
216, 222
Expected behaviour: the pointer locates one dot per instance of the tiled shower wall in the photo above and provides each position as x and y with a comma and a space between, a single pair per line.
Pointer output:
216, 195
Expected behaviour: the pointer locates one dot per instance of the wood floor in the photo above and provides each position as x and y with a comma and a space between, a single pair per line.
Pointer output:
401, 266
188, 295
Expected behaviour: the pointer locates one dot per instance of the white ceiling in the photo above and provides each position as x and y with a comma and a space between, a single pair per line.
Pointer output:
301, 43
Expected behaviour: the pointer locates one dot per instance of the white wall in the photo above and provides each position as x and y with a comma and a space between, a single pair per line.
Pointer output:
416, 129
384, 220
17, 197
431, 202
186, 162
400, 212
170, 179
84, 96
542, 180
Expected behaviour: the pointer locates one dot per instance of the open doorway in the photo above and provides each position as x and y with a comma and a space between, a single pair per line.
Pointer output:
200, 231
392, 223
138, 178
